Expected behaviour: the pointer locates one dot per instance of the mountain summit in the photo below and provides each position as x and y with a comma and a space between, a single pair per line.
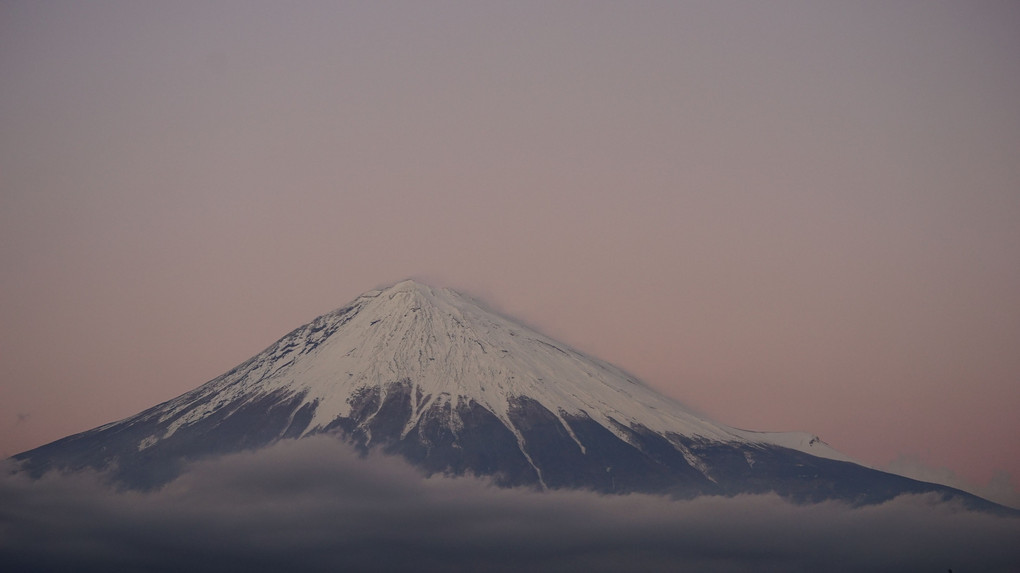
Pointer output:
438, 378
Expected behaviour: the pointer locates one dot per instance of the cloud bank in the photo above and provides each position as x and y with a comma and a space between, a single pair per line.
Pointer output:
314, 505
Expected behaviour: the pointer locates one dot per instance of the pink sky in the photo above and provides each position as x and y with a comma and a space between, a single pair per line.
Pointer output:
786, 215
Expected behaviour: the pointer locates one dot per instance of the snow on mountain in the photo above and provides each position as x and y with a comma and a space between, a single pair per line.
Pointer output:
800, 441
455, 350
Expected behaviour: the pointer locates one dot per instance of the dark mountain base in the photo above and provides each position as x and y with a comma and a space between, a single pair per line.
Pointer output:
468, 439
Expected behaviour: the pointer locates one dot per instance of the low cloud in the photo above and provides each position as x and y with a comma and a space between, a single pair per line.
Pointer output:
314, 505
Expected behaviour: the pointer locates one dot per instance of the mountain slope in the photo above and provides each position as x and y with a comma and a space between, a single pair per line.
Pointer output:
454, 387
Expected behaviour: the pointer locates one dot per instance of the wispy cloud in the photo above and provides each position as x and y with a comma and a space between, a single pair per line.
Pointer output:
1001, 488
314, 505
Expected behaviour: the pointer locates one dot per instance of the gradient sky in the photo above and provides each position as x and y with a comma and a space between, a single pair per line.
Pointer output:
788, 215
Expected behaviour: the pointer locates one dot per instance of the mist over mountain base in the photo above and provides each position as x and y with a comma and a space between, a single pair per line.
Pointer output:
316, 504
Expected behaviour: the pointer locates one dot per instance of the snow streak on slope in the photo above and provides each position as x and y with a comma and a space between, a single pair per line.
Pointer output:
453, 350
801, 441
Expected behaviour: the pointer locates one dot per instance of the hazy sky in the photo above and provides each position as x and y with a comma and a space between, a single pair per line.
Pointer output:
790, 216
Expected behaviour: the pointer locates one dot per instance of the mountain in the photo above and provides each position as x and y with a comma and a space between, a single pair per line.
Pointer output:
455, 388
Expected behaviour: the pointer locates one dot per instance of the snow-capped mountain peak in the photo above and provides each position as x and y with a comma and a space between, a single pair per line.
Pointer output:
454, 350
437, 377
